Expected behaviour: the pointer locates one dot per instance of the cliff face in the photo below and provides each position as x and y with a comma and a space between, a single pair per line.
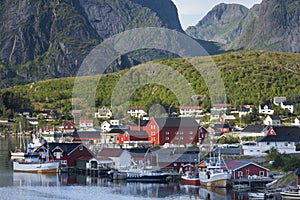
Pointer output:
271, 25
49, 38
276, 26
222, 24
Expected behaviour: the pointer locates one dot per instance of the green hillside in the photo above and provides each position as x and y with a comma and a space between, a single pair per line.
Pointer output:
249, 77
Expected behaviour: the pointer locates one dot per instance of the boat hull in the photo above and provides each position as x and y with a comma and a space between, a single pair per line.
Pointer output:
140, 177
290, 195
215, 180
51, 167
190, 180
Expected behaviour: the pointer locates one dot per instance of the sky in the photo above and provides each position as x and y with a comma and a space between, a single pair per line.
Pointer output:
191, 11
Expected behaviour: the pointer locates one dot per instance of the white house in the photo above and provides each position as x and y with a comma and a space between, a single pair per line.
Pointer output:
278, 100
189, 111
137, 111
86, 124
103, 113
297, 121
105, 126
121, 158
265, 109
272, 120
282, 138
245, 110
287, 105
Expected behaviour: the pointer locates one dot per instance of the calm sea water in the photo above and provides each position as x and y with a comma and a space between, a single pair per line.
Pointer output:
15, 186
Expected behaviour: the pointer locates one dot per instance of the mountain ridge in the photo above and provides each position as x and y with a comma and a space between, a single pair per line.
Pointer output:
271, 25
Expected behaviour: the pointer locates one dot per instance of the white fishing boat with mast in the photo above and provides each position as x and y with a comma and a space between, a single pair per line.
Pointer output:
214, 173
33, 164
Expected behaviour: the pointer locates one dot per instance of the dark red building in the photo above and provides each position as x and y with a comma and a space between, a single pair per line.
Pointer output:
66, 153
246, 169
174, 130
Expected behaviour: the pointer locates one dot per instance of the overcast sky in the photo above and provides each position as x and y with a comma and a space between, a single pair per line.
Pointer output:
191, 11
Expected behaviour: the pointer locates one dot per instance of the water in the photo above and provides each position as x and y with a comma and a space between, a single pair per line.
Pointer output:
44, 187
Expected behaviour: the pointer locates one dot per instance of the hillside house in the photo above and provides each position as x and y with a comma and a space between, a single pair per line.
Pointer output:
278, 100
137, 111
265, 109
297, 121
68, 127
134, 139
245, 110
104, 113
86, 124
190, 111
287, 105
273, 120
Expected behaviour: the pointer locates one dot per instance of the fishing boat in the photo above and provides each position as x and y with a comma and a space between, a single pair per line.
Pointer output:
213, 173
156, 176
32, 164
17, 153
191, 178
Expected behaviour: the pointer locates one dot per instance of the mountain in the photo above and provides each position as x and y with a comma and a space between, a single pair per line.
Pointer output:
222, 24
45, 39
271, 25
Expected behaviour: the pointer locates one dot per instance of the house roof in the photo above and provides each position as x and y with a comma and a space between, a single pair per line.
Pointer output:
117, 130
138, 153
190, 107
179, 158
287, 103
298, 171
256, 128
66, 147
86, 134
238, 164
283, 134
221, 105
274, 117
110, 152
139, 134
217, 126
176, 122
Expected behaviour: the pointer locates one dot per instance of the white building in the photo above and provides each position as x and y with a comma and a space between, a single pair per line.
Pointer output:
273, 120
287, 105
265, 109
190, 111
282, 138
137, 112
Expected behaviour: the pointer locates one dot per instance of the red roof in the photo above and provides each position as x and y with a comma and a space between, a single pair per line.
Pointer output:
190, 107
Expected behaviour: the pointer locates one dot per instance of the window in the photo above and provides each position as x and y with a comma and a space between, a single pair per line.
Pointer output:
64, 162
57, 155
81, 147
261, 173
191, 132
167, 132
247, 171
240, 174
167, 138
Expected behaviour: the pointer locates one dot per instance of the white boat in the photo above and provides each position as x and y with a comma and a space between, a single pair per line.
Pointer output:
32, 163
290, 194
47, 167
214, 174
191, 178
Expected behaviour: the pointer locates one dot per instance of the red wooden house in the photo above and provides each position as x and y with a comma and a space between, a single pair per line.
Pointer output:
66, 153
246, 169
68, 126
174, 130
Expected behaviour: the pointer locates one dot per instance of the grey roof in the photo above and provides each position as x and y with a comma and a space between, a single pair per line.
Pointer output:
287, 103
256, 128
275, 117
176, 122
181, 158
66, 147
86, 134
283, 134
138, 133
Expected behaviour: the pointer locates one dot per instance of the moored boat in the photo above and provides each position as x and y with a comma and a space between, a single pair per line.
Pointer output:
213, 173
191, 178
147, 176
47, 167
290, 194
